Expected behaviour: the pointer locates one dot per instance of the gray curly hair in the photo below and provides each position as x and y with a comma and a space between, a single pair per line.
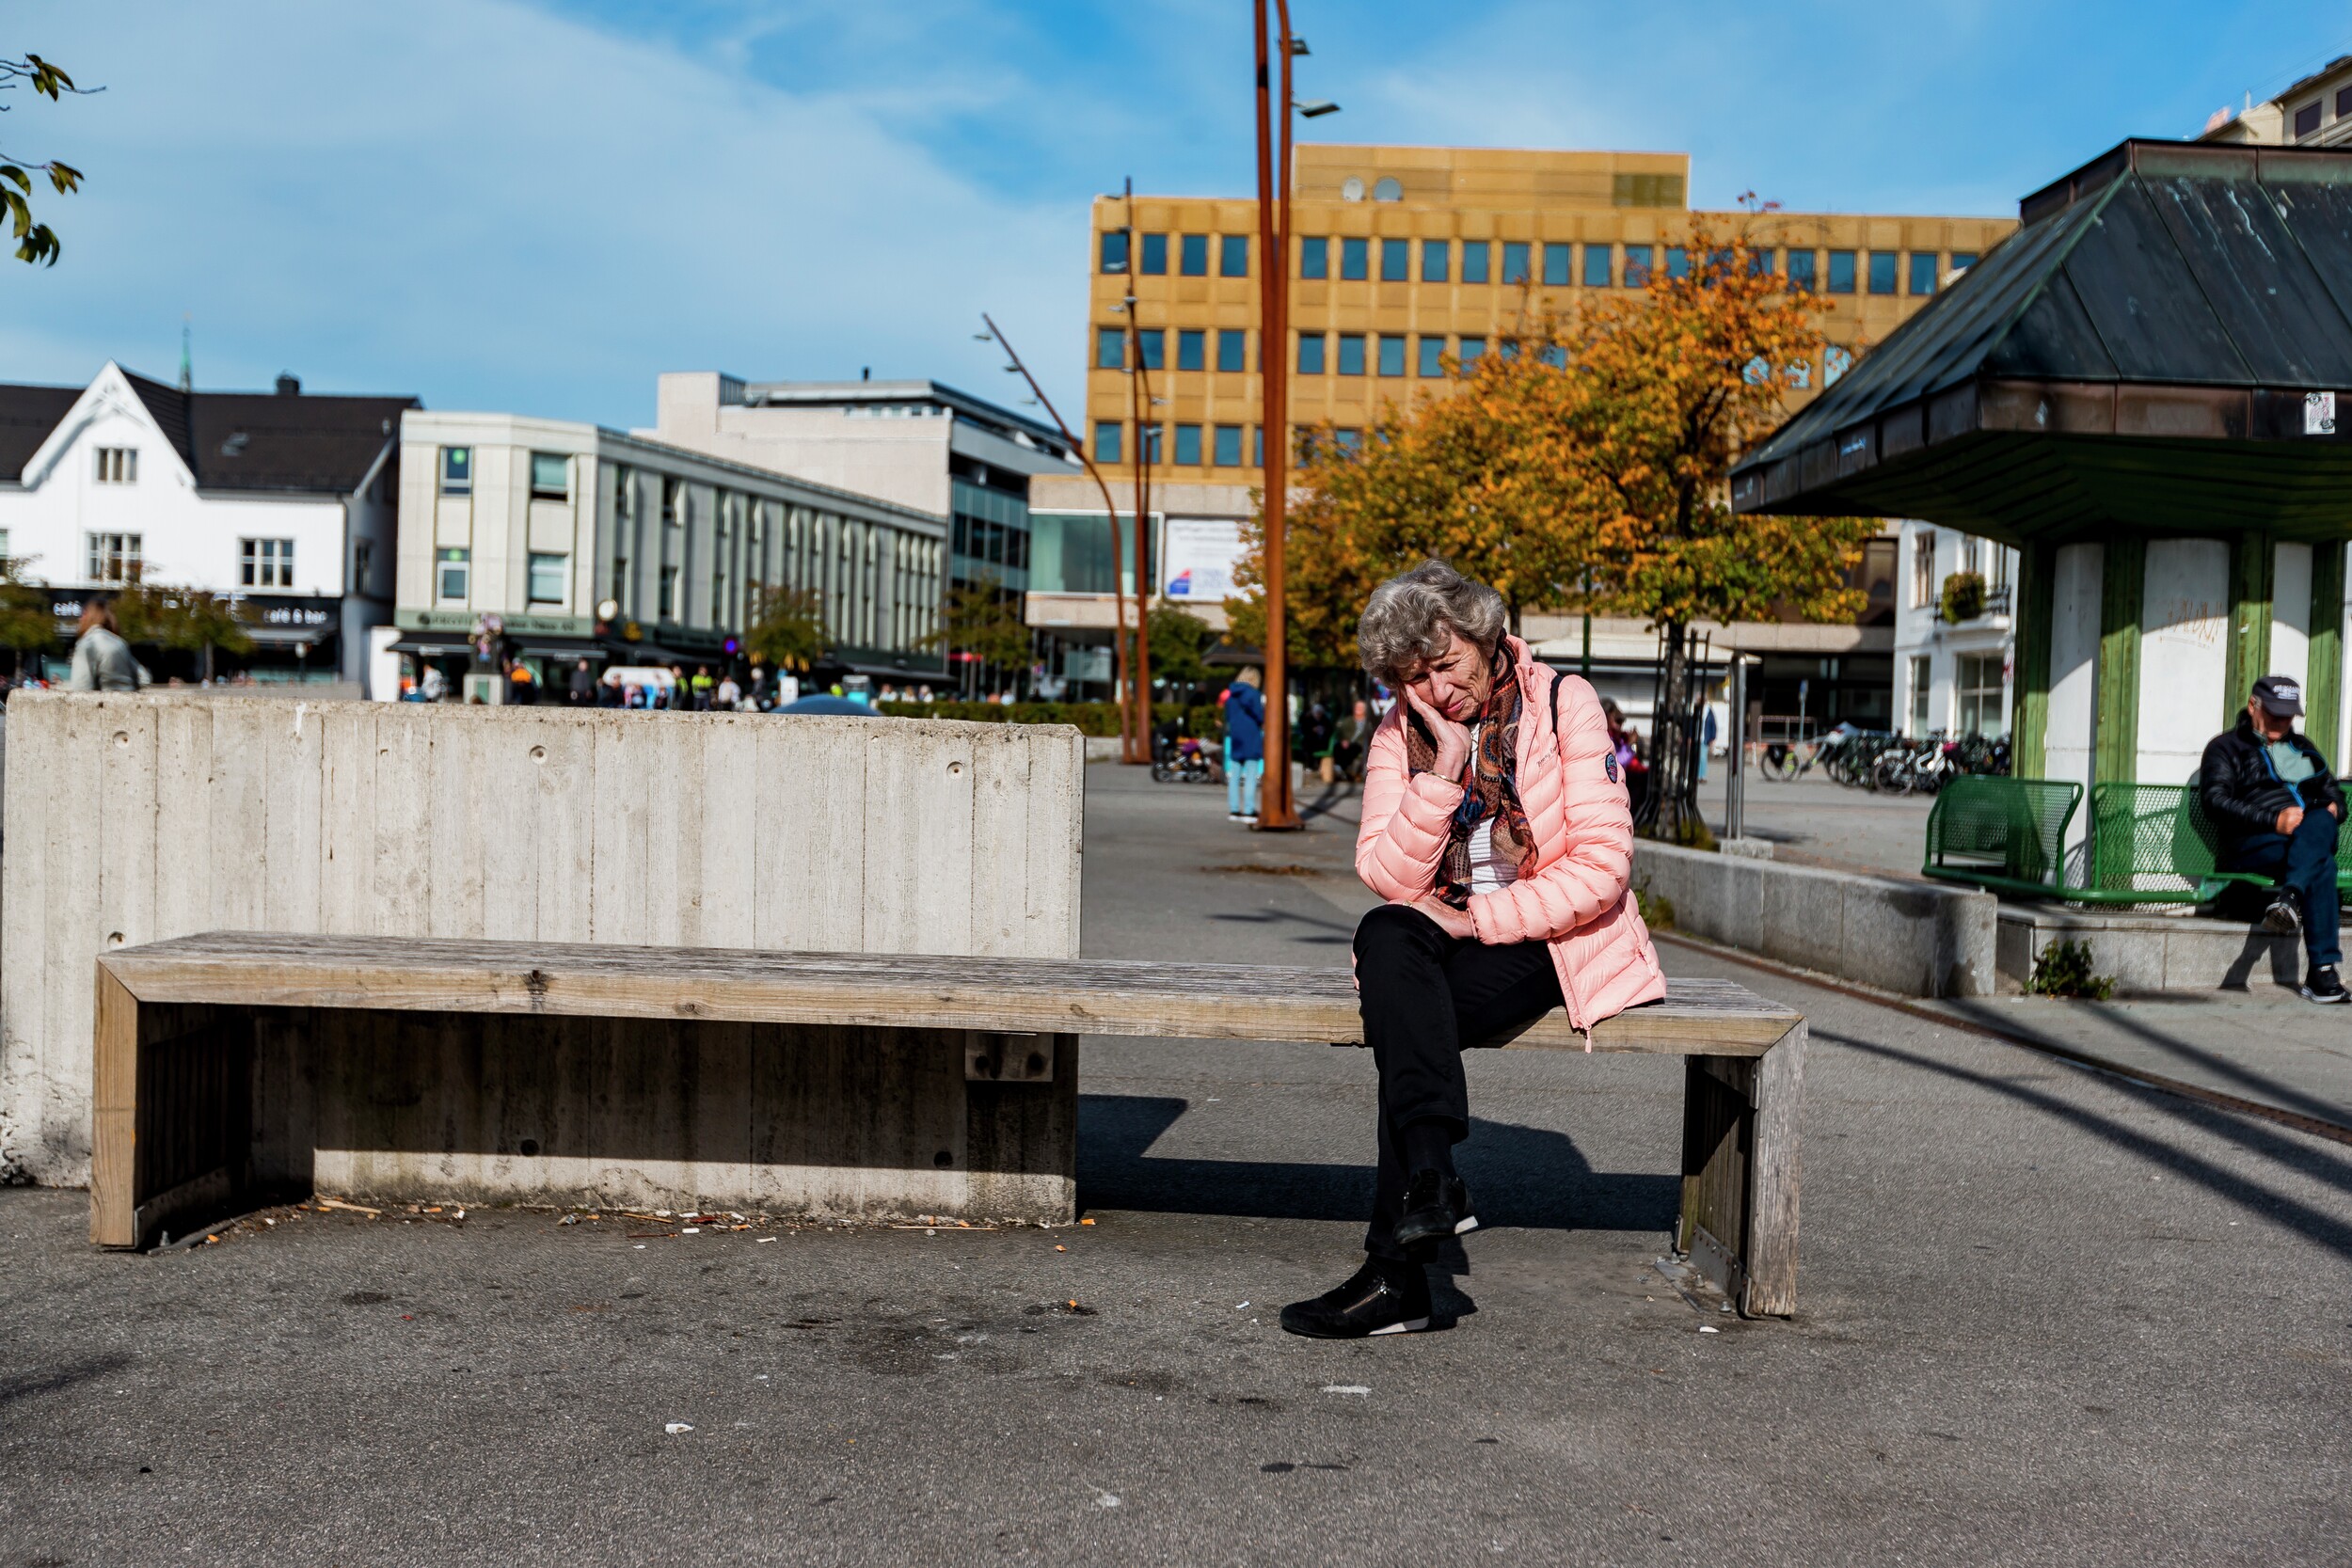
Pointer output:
1410, 619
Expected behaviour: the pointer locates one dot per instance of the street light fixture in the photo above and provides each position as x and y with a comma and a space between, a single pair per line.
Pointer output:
1318, 108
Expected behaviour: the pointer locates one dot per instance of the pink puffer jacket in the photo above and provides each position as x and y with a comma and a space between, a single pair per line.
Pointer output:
1577, 899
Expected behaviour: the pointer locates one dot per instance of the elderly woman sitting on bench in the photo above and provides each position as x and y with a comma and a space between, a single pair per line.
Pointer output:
1495, 824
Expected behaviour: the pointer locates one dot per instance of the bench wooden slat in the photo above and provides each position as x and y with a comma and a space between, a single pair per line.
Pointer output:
1188, 1001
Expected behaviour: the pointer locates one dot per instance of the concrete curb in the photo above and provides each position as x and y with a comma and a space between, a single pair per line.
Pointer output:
1912, 938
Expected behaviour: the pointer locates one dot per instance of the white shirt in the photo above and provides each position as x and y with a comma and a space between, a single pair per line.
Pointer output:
1488, 870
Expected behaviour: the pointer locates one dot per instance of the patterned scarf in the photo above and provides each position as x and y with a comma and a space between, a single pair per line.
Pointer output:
1491, 789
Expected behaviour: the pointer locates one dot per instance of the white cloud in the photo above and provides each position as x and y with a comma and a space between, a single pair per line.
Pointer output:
493, 207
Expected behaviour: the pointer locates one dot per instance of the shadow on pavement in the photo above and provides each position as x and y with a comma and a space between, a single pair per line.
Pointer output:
27, 1384
1522, 1177
1333, 933
2257, 1085
2255, 1137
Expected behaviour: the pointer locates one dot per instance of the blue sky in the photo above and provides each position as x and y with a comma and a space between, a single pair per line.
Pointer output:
498, 204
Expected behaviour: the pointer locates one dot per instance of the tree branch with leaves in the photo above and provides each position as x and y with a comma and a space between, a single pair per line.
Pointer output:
36, 242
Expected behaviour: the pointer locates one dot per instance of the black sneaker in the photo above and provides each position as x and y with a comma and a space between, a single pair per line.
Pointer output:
2284, 915
2324, 986
1435, 1206
1379, 1299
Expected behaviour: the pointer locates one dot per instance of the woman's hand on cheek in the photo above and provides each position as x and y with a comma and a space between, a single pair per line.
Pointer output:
1452, 740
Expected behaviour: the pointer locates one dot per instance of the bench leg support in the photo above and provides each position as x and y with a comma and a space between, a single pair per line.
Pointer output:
171, 1115
1740, 1174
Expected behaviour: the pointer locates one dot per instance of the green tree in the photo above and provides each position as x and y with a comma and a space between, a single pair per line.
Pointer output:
984, 620
36, 242
1178, 639
27, 627
787, 629
186, 620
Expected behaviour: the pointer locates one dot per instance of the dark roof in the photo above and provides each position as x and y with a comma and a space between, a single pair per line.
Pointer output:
230, 440
2138, 353
27, 415
290, 441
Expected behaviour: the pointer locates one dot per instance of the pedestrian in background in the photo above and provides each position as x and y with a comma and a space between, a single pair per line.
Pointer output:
1245, 746
583, 686
102, 660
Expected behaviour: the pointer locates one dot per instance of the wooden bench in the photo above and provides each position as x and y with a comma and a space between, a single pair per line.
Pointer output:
229, 1064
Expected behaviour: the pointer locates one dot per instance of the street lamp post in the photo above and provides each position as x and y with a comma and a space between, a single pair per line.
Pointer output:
1138, 747
1277, 811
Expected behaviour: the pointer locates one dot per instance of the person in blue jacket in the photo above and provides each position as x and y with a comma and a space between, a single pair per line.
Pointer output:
1245, 746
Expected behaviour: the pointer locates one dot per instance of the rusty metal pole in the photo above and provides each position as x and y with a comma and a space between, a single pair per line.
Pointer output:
1277, 811
1141, 663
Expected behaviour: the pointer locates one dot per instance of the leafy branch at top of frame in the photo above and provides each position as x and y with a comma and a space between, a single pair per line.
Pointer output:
36, 242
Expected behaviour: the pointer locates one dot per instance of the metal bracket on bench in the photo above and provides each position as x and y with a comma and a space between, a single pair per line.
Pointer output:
1008, 1059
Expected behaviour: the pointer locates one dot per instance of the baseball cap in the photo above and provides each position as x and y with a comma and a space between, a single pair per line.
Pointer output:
2280, 695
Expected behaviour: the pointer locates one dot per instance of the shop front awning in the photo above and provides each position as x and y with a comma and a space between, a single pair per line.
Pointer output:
2163, 347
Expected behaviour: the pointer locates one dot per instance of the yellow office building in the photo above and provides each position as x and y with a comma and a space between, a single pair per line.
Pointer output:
1404, 256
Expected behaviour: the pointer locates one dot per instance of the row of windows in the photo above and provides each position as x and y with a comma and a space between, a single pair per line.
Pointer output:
1192, 348
991, 543
2307, 118
1555, 265
548, 581
1192, 254
1386, 354
1196, 446
118, 465
550, 474
122, 558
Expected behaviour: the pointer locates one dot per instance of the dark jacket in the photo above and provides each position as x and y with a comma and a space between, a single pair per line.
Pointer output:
2244, 794
1245, 721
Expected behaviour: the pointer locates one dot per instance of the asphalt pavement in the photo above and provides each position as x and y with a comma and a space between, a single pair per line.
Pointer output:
2047, 1316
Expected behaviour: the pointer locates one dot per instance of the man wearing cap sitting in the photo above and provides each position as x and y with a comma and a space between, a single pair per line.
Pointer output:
2277, 804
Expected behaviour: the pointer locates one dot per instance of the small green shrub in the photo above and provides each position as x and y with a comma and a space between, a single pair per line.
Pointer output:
1963, 596
2063, 969
1657, 911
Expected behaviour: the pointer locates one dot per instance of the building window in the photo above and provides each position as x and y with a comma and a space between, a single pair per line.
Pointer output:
1558, 259
674, 504
1882, 271
1192, 256
118, 465
1310, 354
1977, 683
457, 470
1226, 451
1257, 446
1921, 690
1391, 354
1388, 188
1153, 346
1841, 272
1963, 261
1314, 258
1836, 362
1923, 583
1432, 356
550, 475
5, 557
1350, 354
1556, 355
548, 577
1800, 375
1598, 258
1434, 256
1192, 349
1232, 349
669, 593
1189, 446
1637, 266
1801, 272
1115, 250
1232, 256
117, 556
1355, 260
1677, 260
450, 573
1475, 254
1349, 441
2307, 120
1110, 348
362, 565
1471, 349
1514, 262
266, 563
1396, 260
1154, 255
1923, 273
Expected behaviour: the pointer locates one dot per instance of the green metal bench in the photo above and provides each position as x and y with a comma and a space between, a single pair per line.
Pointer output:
2148, 844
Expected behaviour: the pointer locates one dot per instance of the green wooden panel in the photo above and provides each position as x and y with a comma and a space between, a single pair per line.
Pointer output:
2123, 589
2253, 569
2323, 691
2029, 740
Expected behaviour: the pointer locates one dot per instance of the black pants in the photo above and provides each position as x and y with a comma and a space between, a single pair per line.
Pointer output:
1426, 996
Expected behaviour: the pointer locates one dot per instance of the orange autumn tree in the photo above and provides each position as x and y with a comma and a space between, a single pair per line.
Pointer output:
1584, 466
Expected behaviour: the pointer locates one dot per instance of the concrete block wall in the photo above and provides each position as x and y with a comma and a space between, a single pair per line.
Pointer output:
134, 819
1916, 939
